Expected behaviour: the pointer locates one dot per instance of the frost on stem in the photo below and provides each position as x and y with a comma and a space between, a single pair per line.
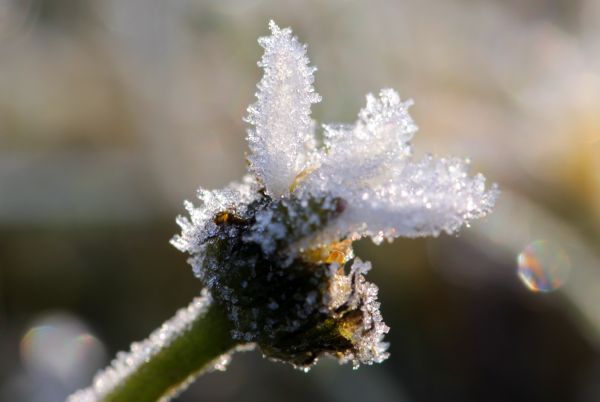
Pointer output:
126, 363
276, 250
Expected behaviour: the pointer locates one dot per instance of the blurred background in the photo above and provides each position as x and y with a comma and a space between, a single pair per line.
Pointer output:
112, 112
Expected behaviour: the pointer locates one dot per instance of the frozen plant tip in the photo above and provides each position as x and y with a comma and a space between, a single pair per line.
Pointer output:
274, 251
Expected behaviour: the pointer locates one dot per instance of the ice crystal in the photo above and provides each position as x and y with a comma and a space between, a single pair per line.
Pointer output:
276, 250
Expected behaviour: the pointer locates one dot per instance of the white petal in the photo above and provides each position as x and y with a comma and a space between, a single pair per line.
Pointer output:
421, 199
282, 138
366, 151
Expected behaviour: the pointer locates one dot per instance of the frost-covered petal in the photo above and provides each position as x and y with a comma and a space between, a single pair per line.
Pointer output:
367, 150
282, 137
421, 199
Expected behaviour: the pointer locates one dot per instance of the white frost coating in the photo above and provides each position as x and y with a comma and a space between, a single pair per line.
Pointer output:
282, 138
358, 154
127, 363
201, 225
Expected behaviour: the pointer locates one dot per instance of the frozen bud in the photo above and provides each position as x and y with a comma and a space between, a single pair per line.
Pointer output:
294, 305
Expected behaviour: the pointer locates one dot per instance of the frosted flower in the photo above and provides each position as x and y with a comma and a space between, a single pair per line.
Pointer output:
276, 249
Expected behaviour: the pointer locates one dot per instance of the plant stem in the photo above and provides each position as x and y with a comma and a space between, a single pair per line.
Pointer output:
186, 356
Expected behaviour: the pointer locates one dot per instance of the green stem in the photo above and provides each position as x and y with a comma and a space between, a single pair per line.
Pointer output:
185, 357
